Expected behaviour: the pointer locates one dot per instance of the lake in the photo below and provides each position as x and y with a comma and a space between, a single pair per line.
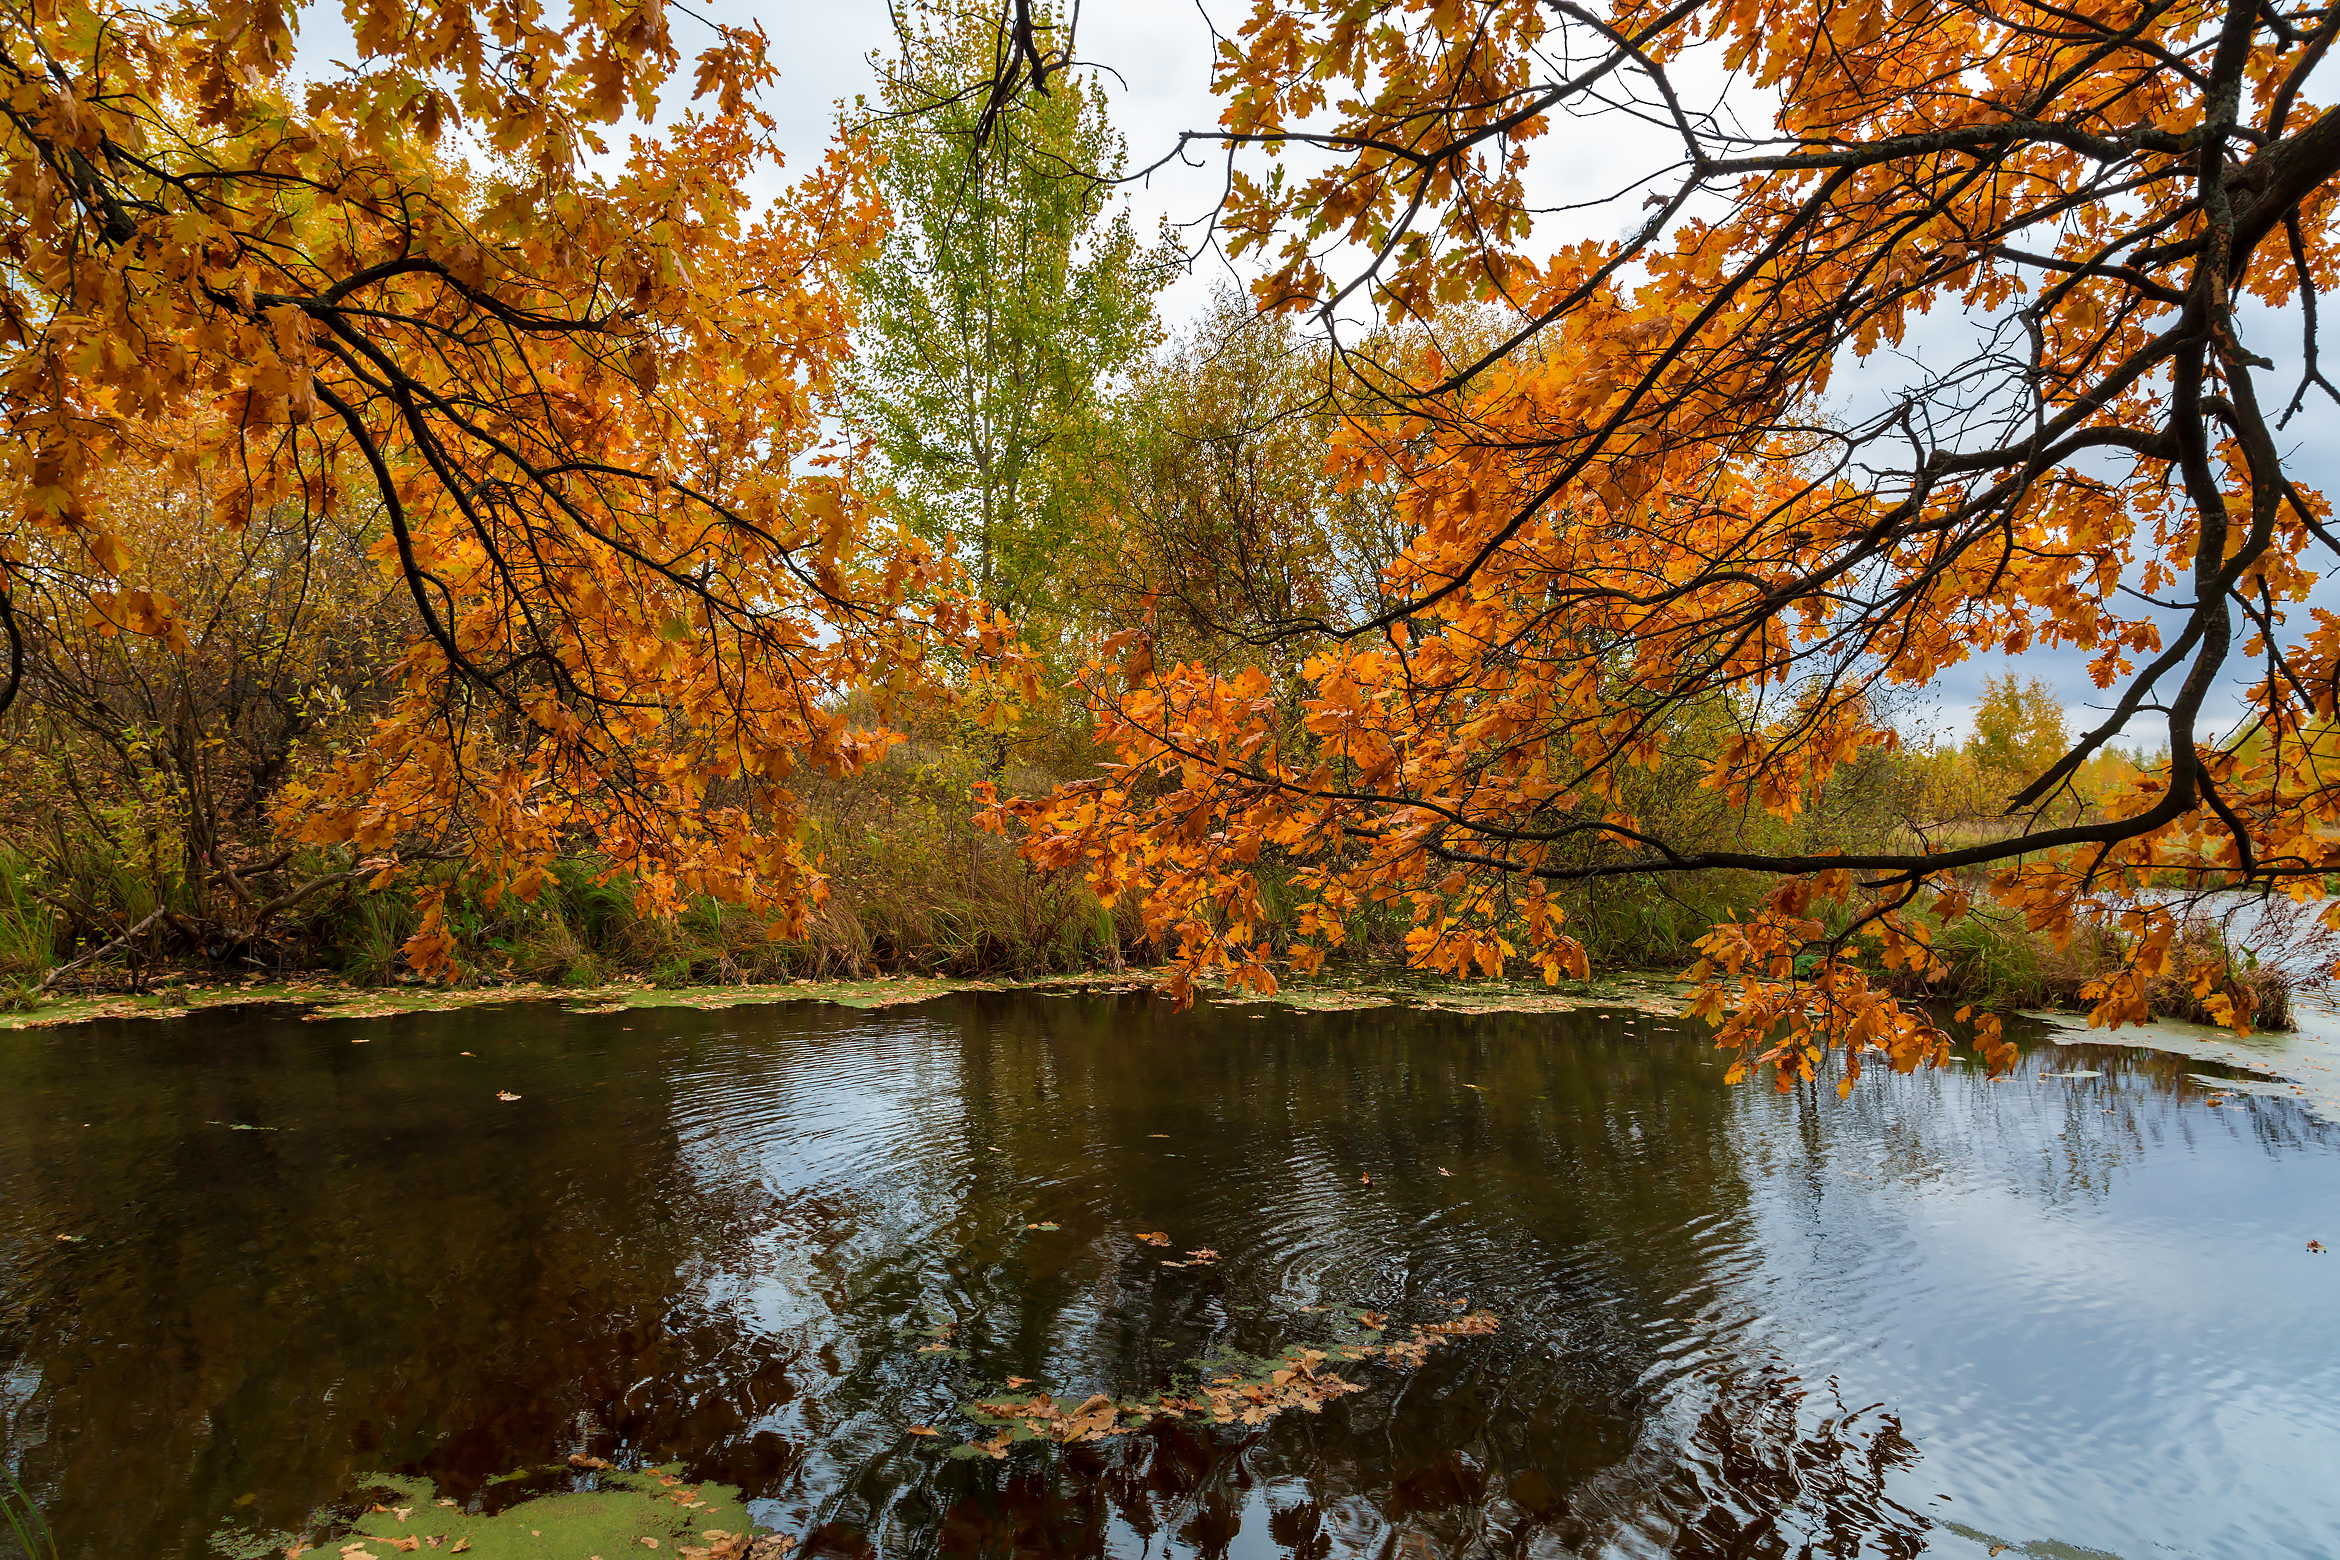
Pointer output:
246, 1263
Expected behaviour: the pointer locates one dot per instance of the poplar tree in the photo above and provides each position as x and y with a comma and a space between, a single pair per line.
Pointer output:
1006, 302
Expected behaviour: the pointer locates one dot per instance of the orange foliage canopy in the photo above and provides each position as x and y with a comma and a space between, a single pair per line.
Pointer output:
1647, 505
584, 407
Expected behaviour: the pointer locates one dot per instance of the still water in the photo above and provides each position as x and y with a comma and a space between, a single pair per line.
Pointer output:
246, 1262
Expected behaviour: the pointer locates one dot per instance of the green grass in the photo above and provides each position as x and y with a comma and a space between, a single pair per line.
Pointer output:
21, 1521
28, 927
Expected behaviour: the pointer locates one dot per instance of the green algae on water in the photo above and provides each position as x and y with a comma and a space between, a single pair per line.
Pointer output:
626, 1513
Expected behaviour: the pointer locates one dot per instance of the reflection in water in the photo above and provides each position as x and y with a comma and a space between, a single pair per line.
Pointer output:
2065, 1311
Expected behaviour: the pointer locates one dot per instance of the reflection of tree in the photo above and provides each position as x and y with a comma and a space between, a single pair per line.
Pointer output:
407, 1275
1775, 1485
720, 1246
1760, 1476
1602, 1184
1595, 1175
1965, 1122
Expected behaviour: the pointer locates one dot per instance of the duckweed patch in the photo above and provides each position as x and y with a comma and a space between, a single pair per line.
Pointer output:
328, 1000
619, 1513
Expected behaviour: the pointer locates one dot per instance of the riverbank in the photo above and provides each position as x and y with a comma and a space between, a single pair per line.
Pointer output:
2300, 1062
920, 918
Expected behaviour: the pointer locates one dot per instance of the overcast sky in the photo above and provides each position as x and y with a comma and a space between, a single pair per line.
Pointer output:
1154, 57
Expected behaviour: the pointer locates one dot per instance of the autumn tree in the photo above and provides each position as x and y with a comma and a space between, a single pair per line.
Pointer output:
1650, 497
1005, 301
2018, 729
1223, 518
585, 388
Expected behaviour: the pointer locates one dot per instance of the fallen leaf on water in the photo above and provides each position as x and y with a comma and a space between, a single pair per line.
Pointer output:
506, 1094
1039, 1226
2315, 1245
1091, 1421
1374, 1320
1442, 1170
1158, 1134
1202, 1254
923, 1430
1476, 1322
1366, 1179
1019, 1381
1166, 1262
1154, 1237
1481, 1088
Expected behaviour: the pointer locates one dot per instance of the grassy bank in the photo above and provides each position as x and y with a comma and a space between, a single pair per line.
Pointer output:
1995, 961
916, 890
914, 887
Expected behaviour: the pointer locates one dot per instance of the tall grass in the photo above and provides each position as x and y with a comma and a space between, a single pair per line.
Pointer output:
69, 887
1655, 922
21, 1520
1997, 961
28, 926
913, 886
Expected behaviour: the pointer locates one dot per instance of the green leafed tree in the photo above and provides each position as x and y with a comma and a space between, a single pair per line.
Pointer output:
1007, 302
2018, 729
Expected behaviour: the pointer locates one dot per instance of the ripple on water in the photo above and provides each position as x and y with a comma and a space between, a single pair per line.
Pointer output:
2072, 1305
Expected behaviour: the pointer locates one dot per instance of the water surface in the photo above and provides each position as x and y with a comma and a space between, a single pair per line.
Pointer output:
245, 1263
